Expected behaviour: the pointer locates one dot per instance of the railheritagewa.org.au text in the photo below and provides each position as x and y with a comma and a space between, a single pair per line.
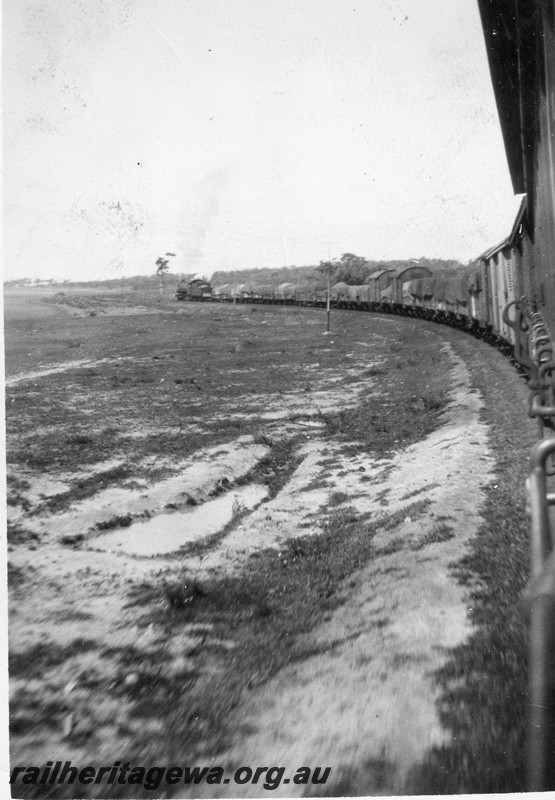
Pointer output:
62, 773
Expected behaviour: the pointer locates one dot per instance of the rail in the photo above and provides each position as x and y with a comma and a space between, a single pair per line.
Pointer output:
541, 605
540, 595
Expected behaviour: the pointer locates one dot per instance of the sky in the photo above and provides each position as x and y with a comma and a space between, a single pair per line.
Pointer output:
246, 133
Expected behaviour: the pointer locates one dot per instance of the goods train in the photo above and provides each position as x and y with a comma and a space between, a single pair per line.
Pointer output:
520, 45
509, 299
477, 300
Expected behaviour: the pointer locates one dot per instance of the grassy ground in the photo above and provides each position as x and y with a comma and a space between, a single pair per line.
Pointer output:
484, 682
177, 381
160, 385
483, 700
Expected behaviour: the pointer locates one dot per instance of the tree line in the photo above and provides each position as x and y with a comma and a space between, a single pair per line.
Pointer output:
349, 268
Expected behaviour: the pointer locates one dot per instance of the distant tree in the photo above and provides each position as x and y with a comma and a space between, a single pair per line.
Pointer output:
353, 269
329, 269
162, 268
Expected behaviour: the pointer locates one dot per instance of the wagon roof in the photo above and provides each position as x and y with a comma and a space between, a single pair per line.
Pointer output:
520, 216
401, 271
511, 43
375, 275
516, 221
493, 250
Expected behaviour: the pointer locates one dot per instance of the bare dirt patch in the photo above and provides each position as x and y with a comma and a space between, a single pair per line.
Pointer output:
364, 693
373, 455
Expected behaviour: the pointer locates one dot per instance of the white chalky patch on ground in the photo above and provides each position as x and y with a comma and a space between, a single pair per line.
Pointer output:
67, 366
326, 393
197, 479
368, 693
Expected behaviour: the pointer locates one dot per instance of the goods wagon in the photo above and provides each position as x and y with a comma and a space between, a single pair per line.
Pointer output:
520, 44
378, 281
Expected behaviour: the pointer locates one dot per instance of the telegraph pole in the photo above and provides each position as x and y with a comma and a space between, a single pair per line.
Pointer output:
328, 304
